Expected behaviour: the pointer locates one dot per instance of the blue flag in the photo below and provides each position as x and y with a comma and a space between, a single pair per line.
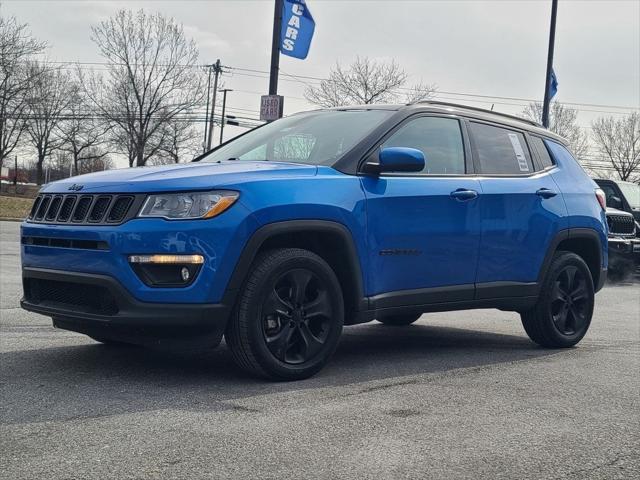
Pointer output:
297, 29
553, 85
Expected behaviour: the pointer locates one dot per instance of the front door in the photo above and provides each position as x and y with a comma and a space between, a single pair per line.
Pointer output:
423, 229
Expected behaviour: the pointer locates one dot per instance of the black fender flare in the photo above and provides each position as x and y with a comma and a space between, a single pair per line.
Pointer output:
264, 233
574, 233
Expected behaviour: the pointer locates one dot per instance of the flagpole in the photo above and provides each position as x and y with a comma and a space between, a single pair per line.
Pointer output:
275, 48
547, 83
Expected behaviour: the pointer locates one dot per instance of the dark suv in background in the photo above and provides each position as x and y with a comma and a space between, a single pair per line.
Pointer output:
623, 217
621, 195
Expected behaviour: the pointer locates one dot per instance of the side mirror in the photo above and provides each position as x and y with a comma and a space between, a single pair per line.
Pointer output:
397, 159
615, 202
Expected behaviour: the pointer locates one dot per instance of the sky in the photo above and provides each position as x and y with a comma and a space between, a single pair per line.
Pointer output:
486, 48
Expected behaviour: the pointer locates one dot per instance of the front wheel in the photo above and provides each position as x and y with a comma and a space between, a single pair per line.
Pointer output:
564, 309
289, 316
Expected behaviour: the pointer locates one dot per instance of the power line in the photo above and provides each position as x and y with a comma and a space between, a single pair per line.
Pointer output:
528, 100
316, 80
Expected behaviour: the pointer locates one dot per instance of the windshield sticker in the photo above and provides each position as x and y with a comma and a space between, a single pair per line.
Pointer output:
517, 148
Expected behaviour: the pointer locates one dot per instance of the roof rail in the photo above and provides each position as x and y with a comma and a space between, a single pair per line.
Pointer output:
477, 109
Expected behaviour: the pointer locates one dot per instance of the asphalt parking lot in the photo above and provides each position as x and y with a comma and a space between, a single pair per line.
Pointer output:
457, 395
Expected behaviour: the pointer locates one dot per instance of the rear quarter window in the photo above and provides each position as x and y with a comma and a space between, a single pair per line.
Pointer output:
540, 148
501, 151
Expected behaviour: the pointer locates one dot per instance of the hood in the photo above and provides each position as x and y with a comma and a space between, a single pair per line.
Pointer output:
178, 177
615, 211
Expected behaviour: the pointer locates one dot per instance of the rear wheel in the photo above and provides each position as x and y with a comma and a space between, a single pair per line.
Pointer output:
289, 316
563, 313
399, 320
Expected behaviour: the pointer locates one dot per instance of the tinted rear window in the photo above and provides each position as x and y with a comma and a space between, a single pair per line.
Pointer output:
501, 151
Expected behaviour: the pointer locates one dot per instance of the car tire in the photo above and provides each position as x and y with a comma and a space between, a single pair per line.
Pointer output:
399, 320
289, 316
562, 315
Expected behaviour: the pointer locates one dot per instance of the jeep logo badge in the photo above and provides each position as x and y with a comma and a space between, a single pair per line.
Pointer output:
76, 187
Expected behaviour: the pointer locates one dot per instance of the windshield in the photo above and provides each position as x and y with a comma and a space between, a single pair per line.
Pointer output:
314, 138
631, 192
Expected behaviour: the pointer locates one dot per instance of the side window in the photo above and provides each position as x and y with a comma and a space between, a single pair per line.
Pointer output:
440, 139
501, 151
538, 145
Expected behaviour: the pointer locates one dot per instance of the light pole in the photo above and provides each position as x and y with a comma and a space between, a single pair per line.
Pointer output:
217, 69
206, 119
275, 48
224, 105
547, 83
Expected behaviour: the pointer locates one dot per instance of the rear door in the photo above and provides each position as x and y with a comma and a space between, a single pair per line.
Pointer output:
521, 208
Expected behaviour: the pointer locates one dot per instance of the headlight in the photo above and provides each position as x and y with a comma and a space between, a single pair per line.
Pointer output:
190, 205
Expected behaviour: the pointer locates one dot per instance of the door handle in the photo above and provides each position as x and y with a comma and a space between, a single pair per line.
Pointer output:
464, 195
546, 193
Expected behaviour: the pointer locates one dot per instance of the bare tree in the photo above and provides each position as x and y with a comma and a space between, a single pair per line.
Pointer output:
366, 81
618, 141
48, 99
95, 163
180, 141
17, 46
120, 141
83, 134
563, 120
151, 78
59, 165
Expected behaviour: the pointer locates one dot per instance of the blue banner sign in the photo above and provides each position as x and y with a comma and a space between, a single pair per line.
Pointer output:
297, 29
553, 85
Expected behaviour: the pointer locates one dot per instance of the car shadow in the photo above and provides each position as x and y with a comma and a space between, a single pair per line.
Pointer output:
93, 380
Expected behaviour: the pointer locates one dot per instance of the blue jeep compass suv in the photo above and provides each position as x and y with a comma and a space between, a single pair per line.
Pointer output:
278, 238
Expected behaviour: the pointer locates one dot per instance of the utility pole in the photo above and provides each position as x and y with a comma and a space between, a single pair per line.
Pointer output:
224, 106
15, 173
275, 48
206, 116
217, 69
547, 83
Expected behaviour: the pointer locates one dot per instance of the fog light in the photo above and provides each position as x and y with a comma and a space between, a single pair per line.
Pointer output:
189, 259
185, 273
160, 270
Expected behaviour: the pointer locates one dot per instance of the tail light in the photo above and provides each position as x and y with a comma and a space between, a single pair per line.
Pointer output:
602, 198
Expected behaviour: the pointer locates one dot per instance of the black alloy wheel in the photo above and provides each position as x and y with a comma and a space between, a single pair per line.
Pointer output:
296, 317
570, 301
563, 311
289, 316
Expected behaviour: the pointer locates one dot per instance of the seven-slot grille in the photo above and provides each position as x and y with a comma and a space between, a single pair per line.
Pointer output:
621, 224
81, 209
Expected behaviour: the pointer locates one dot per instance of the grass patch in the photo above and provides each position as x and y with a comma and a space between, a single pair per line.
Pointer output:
14, 207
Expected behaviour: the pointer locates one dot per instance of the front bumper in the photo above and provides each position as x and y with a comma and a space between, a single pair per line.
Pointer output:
624, 254
98, 305
105, 250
